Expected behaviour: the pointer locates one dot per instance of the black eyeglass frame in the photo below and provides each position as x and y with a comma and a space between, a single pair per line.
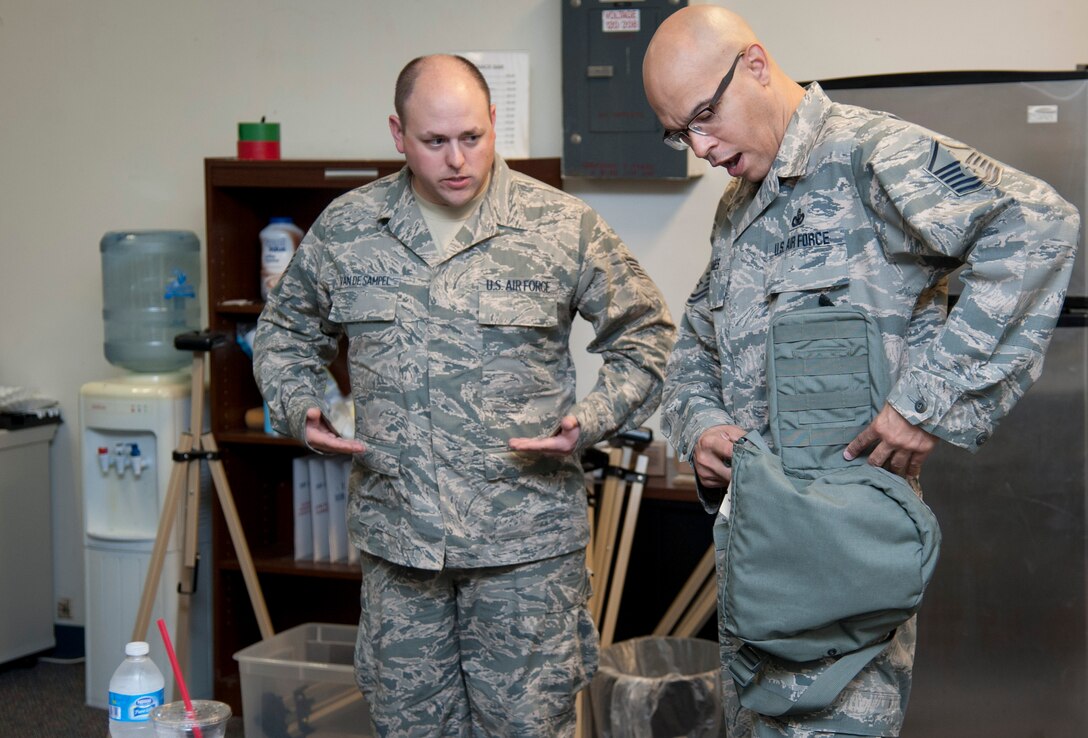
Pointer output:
679, 139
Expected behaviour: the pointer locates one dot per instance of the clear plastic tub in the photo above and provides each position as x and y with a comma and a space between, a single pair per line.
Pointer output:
302, 682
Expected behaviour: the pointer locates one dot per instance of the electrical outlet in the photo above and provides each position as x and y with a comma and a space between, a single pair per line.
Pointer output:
64, 608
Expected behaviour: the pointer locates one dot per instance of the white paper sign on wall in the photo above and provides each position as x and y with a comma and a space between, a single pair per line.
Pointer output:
621, 21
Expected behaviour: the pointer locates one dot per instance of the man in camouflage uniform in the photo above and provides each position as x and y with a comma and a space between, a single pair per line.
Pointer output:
456, 282
837, 205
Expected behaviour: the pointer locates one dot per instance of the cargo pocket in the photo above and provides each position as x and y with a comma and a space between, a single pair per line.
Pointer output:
519, 331
544, 612
522, 345
369, 320
377, 352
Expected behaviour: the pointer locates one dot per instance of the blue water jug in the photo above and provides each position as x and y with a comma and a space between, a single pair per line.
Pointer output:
150, 283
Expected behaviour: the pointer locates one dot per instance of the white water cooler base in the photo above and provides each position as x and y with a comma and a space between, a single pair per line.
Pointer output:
115, 574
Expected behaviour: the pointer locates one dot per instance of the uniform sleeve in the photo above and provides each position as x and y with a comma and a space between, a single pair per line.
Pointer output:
295, 341
633, 333
935, 198
692, 400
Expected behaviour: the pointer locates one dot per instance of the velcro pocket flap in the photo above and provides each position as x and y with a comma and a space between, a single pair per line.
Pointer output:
359, 306
821, 270
518, 308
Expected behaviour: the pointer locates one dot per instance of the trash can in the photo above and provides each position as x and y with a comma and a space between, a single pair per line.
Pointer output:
651, 687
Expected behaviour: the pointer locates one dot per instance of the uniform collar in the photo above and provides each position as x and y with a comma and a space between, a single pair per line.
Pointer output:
400, 212
744, 202
801, 134
502, 199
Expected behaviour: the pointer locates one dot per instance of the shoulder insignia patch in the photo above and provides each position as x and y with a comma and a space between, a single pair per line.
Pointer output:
962, 169
702, 288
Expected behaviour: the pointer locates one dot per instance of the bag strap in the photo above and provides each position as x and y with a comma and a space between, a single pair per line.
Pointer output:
745, 669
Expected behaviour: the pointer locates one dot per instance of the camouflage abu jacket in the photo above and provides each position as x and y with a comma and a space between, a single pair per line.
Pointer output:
862, 208
451, 357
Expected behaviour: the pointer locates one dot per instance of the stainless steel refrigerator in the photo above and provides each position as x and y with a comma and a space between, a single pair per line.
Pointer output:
1003, 634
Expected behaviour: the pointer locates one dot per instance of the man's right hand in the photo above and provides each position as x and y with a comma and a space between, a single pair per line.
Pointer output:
321, 437
713, 455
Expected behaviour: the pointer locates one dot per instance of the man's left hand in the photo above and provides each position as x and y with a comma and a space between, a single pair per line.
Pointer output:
901, 448
561, 443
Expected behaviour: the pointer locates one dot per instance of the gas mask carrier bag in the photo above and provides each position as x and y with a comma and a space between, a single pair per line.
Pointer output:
821, 558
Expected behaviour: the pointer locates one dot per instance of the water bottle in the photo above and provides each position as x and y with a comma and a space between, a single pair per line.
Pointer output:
279, 239
150, 283
136, 688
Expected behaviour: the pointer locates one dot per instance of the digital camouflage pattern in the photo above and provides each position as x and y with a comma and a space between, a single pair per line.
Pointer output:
850, 210
516, 641
452, 355
871, 705
864, 209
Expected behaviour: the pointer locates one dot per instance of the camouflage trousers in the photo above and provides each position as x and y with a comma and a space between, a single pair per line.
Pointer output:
872, 704
498, 651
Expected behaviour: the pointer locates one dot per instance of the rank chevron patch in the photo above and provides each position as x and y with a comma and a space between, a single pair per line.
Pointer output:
962, 169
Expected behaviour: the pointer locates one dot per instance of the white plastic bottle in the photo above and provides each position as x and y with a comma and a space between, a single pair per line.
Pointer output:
279, 239
136, 688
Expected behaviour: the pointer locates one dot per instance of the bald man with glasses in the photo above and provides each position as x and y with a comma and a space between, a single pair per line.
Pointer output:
702, 122
835, 205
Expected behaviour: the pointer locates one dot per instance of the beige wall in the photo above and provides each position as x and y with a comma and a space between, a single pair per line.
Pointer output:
107, 109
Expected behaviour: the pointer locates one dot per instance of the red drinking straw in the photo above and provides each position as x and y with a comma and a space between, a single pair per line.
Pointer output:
189, 713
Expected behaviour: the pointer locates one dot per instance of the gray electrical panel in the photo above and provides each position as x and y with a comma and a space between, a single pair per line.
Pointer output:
609, 129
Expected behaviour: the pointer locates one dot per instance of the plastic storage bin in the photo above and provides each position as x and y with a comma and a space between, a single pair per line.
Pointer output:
302, 682
652, 686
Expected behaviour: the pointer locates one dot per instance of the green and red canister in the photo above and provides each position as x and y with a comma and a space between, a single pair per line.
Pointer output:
259, 140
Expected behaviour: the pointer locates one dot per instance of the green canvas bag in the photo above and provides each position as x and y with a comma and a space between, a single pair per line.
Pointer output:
819, 557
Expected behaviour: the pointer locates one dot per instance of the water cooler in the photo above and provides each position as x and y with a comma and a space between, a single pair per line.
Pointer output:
130, 427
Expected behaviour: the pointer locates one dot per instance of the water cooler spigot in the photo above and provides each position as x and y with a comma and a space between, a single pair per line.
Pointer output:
104, 459
121, 458
138, 461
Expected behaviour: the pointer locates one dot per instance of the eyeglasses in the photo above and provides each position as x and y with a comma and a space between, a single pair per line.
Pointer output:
681, 139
